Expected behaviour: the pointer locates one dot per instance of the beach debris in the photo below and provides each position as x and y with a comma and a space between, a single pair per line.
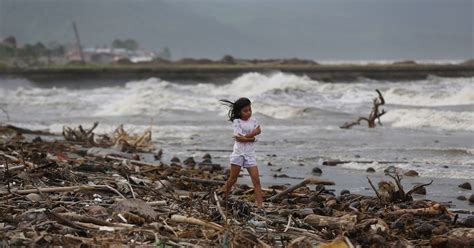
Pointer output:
334, 162
389, 192
373, 116
67, 193
132, 143
309, 180
80, 134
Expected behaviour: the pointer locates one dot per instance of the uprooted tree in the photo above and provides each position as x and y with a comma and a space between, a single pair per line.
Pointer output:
374, 115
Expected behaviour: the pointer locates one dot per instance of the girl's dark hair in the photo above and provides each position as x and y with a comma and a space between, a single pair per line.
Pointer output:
235, 107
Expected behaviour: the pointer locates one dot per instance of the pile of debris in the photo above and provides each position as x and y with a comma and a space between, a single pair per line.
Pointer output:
59, 193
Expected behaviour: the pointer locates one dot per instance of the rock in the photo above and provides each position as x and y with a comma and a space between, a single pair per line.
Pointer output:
320, 188
411, 173
440, 230
136, 157
269, 164
301, 164
471, 199
37, 139
34, 197
96, 210
461, 198
397, 224
439, 241
378, 240
357, 156
317, 171
332, 162
420, 191
175, 160
207, 156
424, 229
462, 234
158, 155
206, 161
189, 162
469, 222
345, 192
136, 206
281, 175
370, 170
465, 185
445, 166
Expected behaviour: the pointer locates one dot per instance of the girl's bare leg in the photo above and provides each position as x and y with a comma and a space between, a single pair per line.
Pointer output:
254, 175
234, 173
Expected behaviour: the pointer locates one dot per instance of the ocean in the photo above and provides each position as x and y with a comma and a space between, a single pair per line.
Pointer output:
428, 127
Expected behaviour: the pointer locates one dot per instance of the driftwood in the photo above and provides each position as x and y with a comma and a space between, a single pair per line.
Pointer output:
334, 162
80, 134
309, 180
195, 221
131, 143
61, 189
436, 209
373, 116
345, 222
178, 206
388, 192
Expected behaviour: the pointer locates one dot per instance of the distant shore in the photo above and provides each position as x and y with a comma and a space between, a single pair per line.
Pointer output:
226, 72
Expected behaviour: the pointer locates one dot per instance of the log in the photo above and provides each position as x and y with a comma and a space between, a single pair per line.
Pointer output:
309, 180
337, 161
16, 160
345, 222
221, 212
61, 189
434, 210
195, 221
134, 162
88, 219
203, 181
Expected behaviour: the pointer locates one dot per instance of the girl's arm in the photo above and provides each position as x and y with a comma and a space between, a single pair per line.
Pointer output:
241, 138
254, 133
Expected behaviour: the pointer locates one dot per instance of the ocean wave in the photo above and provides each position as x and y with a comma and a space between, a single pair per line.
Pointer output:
277, 95
427, 118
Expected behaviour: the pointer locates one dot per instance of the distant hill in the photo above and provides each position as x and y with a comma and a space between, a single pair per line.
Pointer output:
314, 29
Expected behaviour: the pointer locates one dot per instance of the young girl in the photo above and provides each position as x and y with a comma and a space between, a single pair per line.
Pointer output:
243, 155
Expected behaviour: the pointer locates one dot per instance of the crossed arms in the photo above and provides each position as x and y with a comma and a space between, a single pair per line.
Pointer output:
250, 137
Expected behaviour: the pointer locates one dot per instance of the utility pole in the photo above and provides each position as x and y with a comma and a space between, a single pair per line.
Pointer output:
78, 40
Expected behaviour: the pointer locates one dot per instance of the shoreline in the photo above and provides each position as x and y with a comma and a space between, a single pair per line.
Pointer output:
217, 73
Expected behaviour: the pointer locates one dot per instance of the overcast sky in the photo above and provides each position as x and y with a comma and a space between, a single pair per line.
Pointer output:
314, 29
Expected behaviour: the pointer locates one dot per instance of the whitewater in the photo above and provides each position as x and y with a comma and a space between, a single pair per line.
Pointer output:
429, 125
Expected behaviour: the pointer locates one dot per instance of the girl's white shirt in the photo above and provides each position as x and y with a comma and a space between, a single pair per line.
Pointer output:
243, 128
